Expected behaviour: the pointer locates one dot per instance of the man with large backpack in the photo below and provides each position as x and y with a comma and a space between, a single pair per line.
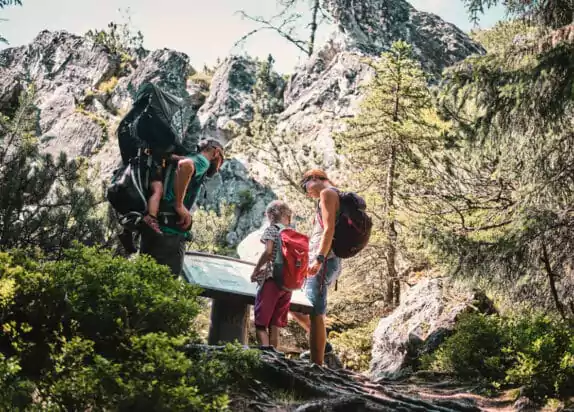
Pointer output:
183, 184
341, 230
156, 143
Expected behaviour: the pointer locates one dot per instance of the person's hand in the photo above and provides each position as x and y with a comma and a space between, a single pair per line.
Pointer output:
184, 217
314, 268
254, 276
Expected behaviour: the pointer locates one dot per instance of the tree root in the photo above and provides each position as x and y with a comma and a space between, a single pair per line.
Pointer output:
322, 389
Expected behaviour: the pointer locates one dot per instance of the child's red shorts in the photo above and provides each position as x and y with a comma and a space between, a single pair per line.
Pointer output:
272, 305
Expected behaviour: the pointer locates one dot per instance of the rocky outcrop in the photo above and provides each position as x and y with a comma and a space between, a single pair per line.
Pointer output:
327, 88
370, 27
234, 186
425, 317
83, 90
229, 103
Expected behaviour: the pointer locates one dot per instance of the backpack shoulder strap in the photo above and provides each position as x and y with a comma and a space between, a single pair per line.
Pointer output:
319, 217
278, 258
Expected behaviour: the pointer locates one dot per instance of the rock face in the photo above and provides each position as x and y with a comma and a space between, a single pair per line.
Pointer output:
234, 186
370, 27
327, 88
425, 317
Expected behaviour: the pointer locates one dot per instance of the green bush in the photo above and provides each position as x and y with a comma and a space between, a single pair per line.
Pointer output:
543, 356
533, 351
97, 332
474, 351
353, 346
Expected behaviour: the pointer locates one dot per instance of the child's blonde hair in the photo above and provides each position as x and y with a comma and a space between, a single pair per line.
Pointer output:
276, 210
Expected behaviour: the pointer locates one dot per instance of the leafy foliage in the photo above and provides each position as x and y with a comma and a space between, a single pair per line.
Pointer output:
531, 350
353, 346
504, 34
93, 331
481, 358
503, 189
44, 202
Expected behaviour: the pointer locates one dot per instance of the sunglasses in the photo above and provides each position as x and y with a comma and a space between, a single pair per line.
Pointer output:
304, 183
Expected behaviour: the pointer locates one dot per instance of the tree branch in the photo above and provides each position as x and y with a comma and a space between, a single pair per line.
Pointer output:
279, 29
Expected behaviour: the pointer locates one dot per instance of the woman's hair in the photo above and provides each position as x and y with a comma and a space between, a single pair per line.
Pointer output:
276, 210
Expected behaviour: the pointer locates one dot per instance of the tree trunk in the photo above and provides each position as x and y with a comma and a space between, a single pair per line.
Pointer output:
313, 25
393, 292
552, 282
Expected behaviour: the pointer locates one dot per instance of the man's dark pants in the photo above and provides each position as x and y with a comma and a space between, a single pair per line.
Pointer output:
167, 250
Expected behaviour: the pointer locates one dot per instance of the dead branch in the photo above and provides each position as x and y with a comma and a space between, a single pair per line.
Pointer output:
280, 29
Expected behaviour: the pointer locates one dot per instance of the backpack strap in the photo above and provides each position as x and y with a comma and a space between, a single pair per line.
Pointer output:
278, 258
318, 215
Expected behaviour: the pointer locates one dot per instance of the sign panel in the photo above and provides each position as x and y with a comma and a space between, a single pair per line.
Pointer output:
229, 277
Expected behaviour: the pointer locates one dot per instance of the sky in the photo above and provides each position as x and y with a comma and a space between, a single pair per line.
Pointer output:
203, 29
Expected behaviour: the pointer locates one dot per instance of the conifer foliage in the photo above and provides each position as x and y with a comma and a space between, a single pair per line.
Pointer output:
45, 202
509, 180
388, 143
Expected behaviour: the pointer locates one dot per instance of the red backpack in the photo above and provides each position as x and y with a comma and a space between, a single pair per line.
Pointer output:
291, 261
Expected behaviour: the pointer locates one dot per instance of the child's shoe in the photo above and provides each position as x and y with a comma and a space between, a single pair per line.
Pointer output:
150, 222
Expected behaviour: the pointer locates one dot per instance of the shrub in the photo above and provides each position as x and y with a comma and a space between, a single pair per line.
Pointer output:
543, 356
98, 332
210, 230
354, 346
474, 351
108, 86
529, 350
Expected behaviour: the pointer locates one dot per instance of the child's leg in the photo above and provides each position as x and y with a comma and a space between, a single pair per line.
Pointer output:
155, 198
280, 316
262, 336
265, 302
150, 219
274, 336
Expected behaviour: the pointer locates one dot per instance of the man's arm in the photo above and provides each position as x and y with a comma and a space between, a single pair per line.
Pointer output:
183, 174
329, 200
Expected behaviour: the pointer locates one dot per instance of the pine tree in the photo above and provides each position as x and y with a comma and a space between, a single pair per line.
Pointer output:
3, 4
507, 179
387, 143
44, 202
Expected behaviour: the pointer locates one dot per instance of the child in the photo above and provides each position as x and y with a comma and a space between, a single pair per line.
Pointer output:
210, 148
156, 184
271, 302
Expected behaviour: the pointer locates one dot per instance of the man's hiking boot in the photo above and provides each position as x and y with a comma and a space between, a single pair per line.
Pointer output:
150, 222
127, 241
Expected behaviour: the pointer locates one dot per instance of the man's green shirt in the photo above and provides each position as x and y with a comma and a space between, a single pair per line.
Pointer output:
193, 188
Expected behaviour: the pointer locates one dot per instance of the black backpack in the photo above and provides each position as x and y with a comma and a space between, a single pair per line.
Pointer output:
353, 227
154, 128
